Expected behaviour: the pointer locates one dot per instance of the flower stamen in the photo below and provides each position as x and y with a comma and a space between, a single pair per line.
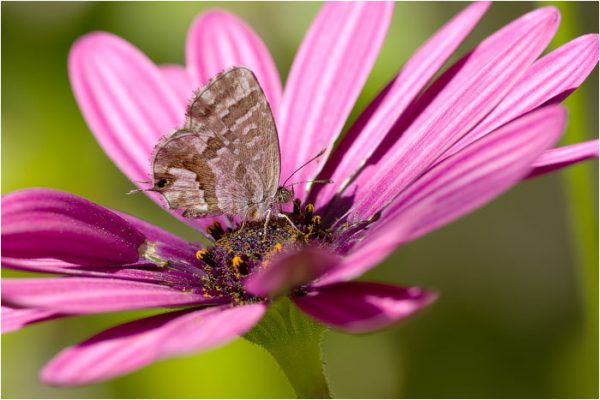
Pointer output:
200, 254
308, 213
215, 230
239, 251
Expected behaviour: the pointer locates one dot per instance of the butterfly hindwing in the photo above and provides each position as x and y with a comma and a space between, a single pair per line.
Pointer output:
226, 158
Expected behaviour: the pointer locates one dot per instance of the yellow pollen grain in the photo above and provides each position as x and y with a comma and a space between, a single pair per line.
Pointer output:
201, 253
309, 208
237, 261
316, 220
277, 247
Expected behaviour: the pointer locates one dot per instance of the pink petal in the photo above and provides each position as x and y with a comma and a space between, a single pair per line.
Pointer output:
472, 93
554, 75
92, 295
376, 121
562, 157
138, 272
462, 70
219, 40
156, 234
167, 245
179, 253
131, 346
46, 223
289, 271
367, 254
14, 319
359, 307
180, 81
481, 172
124, 98
128, 103
331, 66
44, 265
455, 187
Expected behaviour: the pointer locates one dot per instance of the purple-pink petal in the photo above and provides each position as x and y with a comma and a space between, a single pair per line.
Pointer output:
56, 266
46, 223
359, 307
327, 75
16, 318
456, 186
43, 265
376, 121
462, 70
131, 346
142, 272
167, 245
367, 254
219, 40
562, 157
93, 295
554, 76
466, 99
479, 173
290, 270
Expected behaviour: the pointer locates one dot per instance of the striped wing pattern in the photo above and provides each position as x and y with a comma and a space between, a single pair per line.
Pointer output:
225, 160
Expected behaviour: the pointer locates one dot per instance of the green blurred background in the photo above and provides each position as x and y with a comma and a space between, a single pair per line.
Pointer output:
517, 315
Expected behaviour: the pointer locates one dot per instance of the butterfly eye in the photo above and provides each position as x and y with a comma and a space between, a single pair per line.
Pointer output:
161, 183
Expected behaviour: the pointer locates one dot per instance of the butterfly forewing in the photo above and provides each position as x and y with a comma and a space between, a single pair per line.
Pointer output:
225, 160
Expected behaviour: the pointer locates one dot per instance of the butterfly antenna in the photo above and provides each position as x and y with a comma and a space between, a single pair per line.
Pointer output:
313, 181
305, 164
141, 190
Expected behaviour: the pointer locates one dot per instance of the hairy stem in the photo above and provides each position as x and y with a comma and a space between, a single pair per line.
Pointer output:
294, 341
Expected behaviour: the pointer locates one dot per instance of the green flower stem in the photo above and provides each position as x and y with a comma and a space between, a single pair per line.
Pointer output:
301, 363
294, 341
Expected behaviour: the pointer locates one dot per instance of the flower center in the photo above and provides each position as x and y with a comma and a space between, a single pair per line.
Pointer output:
238, 252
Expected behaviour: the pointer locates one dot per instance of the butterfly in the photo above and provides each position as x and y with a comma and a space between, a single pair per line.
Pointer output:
225, 160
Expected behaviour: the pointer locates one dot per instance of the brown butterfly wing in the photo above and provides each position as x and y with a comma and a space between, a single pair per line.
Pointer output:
181, 172
226, 159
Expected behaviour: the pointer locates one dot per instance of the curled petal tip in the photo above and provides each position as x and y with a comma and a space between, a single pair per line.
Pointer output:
290, 270
360, 307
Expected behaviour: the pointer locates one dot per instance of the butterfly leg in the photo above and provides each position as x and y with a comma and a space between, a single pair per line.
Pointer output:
281, 215
243, 222
267, 219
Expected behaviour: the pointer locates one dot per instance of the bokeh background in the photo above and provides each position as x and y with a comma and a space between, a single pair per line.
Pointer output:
517, 315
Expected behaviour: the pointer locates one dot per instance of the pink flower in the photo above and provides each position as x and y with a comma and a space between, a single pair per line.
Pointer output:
416, 159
